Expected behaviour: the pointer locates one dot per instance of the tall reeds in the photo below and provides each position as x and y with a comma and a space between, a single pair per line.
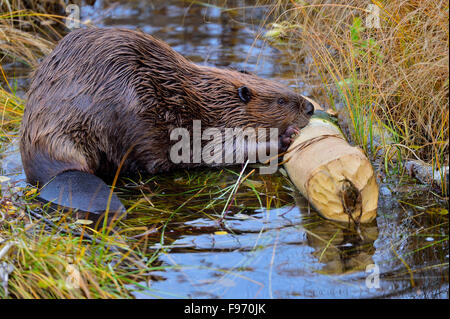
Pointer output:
393, 75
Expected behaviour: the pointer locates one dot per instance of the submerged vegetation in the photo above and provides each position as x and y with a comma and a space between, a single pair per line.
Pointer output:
388, 84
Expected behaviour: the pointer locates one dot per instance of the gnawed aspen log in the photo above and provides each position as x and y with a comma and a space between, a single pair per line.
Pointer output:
335, 177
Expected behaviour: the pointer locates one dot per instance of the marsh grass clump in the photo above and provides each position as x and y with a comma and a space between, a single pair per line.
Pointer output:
28, 29
11, 110
25, 36
42, 6
391, 77
51, 254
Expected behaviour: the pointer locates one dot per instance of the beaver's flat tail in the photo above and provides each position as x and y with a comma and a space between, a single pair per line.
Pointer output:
82, 192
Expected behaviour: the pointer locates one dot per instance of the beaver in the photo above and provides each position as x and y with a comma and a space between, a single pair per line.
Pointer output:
106, 99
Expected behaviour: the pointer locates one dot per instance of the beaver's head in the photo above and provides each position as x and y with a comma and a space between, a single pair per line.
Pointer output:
262, 114
271, 104
246, 100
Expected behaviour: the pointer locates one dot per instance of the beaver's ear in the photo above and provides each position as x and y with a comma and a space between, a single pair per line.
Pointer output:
244, 94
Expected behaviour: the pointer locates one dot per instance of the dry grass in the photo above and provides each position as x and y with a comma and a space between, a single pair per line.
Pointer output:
41, 6
66, 259
395, 76
28, 31
18, 45
25, 36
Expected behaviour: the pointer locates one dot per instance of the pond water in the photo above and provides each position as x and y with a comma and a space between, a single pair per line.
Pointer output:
270, 244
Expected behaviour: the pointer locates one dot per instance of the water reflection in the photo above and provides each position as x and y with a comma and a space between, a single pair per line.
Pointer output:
277, 253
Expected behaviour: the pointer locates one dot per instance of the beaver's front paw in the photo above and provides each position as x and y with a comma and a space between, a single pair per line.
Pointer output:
286, 138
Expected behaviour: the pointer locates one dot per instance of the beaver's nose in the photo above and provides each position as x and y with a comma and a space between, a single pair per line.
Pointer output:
309, 108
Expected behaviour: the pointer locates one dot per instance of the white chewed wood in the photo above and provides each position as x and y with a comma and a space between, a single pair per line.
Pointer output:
322, 164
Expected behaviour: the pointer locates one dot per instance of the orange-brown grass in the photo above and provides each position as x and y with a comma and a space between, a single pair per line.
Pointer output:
395, 76
25, 36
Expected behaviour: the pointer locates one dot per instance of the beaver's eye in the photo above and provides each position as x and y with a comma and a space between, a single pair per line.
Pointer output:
281, 101
244, 94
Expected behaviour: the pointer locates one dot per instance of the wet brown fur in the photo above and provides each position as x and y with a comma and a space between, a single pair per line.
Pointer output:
102, 92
